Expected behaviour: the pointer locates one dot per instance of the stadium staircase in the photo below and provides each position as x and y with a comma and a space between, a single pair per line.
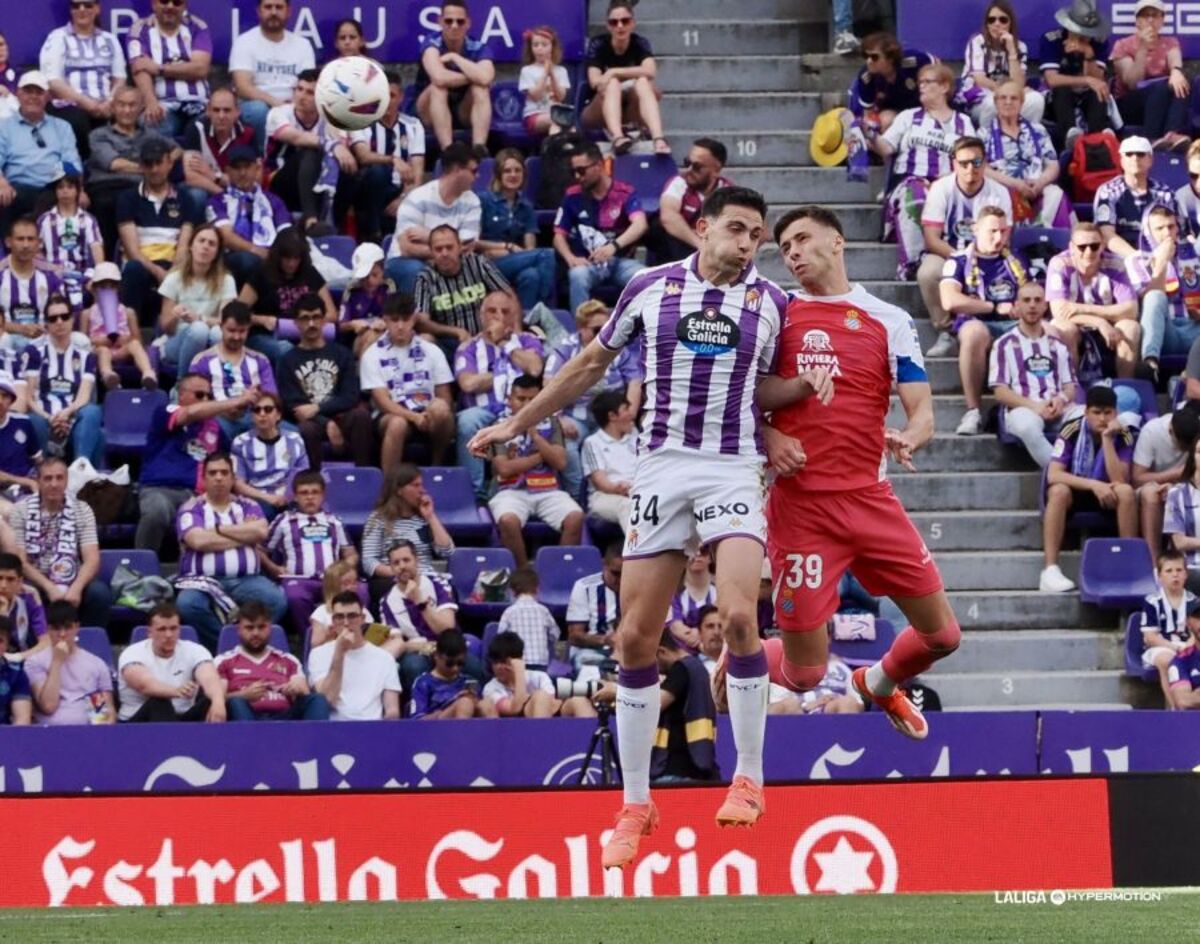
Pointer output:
757, 84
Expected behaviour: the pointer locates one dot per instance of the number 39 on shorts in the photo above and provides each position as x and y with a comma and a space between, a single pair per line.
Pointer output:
804, 570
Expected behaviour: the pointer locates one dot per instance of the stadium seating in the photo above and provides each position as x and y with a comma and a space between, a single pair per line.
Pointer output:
858, 652
558, 568
1134, 647
229, 639
94, 639
185, 632
508, 124
465, 567
143, 562
1116, 572
1145, 392
127, 416
351, 495
648, 173
454, 499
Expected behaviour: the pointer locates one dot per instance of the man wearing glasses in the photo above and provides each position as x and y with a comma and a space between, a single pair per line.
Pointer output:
887, 83
600, 222
170, 54
36, 149
1120, 204
454, 80
1088, 290
448, 200
318, 382
948, 219
684, 195
84, 66
357, 678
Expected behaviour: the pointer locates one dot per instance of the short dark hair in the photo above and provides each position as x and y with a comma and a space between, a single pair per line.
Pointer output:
505, 646
527, 382
734, 196
10, 562
968, 142
591, 151
237, 312
61, 613
401, 544
461, 4
253, 611
1185, 424
451, 642
51, 458
309, 301
1172, 555
394, 78
153, 150
165, 610
524, 580
614, 550
809, 211
705, 612
56, 298
606, 403
714, 147
457, 155
399, 305
345, 598
308, 75
444, 228
25, 220
214, 457
1101, 397
308, 477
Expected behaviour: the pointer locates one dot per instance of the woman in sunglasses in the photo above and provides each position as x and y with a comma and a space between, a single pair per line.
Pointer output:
266, 457
994, 56
1151, 88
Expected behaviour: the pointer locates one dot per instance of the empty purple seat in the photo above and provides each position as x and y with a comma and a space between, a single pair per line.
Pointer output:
1135, 645
351, 494
336, 247
1171, 169
94, 639
185, 632
508, 103
558, 568
648, 173
858, 652
229, 639
1145, 391
127, 416
1116, 572
1040, 239
465, 566
602, 532
454, 498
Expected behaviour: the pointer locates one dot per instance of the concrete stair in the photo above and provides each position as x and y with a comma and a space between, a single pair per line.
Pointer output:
757, 84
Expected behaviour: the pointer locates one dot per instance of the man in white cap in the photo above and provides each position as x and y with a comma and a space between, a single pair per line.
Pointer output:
247, 215
1120, 204
1074, 66
36, 149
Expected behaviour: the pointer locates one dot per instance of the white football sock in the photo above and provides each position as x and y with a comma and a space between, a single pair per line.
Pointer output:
748, 717
637, 726
878, 681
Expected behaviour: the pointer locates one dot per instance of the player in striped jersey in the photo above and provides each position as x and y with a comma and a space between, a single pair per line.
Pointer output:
708, 326
1031, 376
831, 508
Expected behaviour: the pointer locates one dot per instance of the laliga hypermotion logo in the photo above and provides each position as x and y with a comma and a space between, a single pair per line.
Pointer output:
843, 855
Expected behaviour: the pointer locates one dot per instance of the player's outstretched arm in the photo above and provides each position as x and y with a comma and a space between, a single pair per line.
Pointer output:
917, 400
774, 392
577, 376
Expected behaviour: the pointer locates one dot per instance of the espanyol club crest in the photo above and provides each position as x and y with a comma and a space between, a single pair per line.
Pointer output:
853, 320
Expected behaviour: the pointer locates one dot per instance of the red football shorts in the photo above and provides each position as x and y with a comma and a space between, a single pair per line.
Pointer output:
815, 538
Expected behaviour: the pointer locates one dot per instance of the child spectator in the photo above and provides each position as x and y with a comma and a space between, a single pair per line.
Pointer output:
1183, 674
445, 692
1180, 520
520, 692
698, 591
543, 80
529, 619
1165, 616
609, 456
1089, 471
122, 344
594, 611
71, 238
360, 318
1158, 457
18, 445
70, 685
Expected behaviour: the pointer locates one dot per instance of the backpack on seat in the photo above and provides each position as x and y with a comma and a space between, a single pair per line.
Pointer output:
556, 176
1095, 158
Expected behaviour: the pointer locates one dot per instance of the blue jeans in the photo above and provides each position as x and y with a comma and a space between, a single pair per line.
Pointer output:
305, 708
572, 475
254, 114
585, 279
195, 200
196, 609
86, 438
139, 290
531, 273
1163, 333
403, 272
843, 16
242, 265
471, 421
188, 341
173, 124
373, 191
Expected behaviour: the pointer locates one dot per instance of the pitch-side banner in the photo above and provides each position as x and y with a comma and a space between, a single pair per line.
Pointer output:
392, 28
370, 755
929, 837
947, 33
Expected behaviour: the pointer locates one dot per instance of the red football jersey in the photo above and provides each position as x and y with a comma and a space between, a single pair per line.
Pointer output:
867, 345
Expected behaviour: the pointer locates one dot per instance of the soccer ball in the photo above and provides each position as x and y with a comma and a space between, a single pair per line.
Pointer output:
352, 93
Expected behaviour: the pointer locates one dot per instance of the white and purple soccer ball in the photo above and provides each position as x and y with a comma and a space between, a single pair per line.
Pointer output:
352, 93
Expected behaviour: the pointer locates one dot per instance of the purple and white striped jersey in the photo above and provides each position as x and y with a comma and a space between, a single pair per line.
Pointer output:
54, 376
230, 380
199, 513
145, 39
1109, 286
703, 349
923, 143
481, 356
1182, 516
268, 465
87, 63
307, 545
947, 206
67, 240
1035, 368
686, 608
24, 299
437, 592
410, 374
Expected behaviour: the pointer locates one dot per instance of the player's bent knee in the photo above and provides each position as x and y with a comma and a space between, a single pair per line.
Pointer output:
801, 678
944, 640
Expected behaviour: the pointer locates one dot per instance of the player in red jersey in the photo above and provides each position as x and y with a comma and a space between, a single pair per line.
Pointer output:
831, 508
